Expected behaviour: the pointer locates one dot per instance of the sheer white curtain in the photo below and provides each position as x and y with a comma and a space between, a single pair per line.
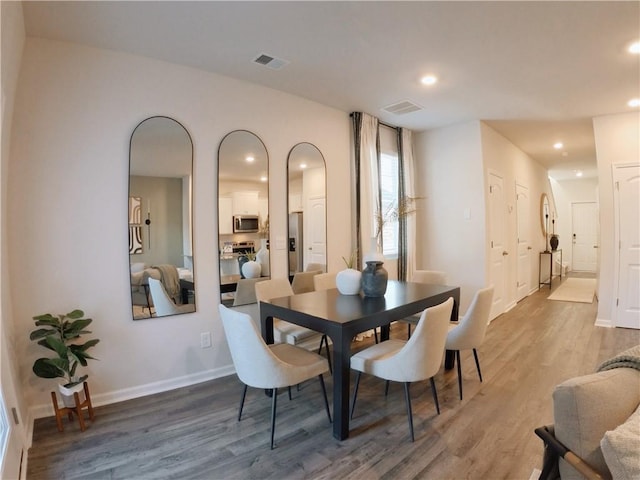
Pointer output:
407, 247
366, 142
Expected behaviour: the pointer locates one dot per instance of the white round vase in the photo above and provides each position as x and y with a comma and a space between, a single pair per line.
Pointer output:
348, 281
67, 394
251, 269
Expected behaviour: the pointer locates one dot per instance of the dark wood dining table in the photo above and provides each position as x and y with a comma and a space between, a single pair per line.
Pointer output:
342, 317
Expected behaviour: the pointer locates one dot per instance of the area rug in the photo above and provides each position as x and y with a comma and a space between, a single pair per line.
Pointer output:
575, 290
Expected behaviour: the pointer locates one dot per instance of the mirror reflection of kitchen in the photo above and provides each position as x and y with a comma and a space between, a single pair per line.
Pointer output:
243, 216
160, 219
307, 243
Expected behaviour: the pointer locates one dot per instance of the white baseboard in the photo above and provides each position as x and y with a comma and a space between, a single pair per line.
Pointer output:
601, 322
46, 409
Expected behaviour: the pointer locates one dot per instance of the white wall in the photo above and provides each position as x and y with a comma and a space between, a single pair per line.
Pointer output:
567, 192
75, 110
448, 172
617, 142
451, 168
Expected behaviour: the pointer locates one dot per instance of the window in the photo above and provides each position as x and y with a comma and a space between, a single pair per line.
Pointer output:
389, 195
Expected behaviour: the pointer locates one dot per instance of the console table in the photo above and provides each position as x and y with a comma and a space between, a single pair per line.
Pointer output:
551, 254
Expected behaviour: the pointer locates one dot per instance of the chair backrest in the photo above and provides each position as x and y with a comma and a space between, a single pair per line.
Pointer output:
471, 329
255, 364
324, 281
161, 301
303, 281
421, 356
274, 288
434, 277
246, 291
315, 266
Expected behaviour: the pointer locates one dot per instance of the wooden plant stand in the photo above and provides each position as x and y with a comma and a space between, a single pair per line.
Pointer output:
60, 412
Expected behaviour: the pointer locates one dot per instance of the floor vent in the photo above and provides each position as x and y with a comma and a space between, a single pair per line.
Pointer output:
402, 108
270, 62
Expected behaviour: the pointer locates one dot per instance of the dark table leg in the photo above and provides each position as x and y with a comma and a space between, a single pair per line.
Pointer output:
341, 373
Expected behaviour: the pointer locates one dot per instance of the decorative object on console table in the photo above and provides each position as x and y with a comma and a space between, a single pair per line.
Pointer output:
58, 333
554, 240
348, 280
374, 279
262, 257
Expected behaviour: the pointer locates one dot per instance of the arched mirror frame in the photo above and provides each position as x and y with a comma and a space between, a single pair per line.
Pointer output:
140, 222
292, 223
545, 214
229, 295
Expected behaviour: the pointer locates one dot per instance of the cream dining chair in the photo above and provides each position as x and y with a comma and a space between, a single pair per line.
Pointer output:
163, 304
286, 332
303, 281
259, 365
433, 277
469, 332
324, 281
414, 360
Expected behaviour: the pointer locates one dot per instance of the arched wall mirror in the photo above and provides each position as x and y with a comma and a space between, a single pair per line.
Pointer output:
160, 219
243, 216
307, 193
545, 214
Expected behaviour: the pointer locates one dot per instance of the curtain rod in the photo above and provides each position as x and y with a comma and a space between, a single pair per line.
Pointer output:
381, 123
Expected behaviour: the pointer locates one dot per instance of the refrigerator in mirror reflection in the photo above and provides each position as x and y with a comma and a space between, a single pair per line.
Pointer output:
296, 261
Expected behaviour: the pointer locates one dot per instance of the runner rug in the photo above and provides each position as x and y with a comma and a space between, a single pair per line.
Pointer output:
579, 290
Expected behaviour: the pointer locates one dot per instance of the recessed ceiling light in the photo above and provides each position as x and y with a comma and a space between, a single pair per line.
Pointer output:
558, 145
263, 178
249, 159
578, 173
303, 166
634, 48
429, 80
634, 102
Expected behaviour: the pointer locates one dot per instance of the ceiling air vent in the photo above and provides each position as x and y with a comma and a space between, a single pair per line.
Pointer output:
270, 62
401, 108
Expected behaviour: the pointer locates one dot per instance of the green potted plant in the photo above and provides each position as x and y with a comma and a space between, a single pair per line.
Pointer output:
56, 333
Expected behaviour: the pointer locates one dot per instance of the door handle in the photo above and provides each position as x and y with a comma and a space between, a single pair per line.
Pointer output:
505, 253
529, 248
595, 246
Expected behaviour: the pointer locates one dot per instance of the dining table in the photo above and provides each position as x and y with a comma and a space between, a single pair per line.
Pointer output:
342, 317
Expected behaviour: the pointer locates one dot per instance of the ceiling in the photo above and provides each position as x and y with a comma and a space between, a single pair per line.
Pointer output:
537, 72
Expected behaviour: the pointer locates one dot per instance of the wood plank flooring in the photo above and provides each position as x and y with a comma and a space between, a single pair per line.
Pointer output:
193, 433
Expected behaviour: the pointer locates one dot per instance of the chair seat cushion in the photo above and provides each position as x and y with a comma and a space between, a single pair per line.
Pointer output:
290, 333
368, 360
303, 364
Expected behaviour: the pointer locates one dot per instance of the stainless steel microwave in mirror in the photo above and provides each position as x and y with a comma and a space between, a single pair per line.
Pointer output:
246, 223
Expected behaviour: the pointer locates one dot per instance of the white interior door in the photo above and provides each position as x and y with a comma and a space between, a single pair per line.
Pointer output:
317, 231
584, 223
524, 241
498, 251
627, 211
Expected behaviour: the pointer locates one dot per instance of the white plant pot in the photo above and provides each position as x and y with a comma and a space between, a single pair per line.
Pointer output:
67, 394
251, 269
348, 281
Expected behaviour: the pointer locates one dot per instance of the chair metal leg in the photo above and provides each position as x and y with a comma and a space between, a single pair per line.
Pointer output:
386, 388
475, 355
459, 373
435, 395
375, 334
289, 389
324, 394
355, 394
407, 398
273, 414
326, 344
244, 394
408, 330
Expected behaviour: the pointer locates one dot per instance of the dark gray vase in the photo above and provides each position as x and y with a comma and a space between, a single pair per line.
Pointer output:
554, 241
374, 279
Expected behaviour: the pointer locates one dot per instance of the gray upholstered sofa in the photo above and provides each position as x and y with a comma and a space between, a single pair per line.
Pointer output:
597, 423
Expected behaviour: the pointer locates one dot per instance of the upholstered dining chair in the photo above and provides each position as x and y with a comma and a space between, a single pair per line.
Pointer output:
324, 281
286, 332
469, 332
413, 360
163, 304
259, 365
434, 277
316, 266
303, 281
246, 291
